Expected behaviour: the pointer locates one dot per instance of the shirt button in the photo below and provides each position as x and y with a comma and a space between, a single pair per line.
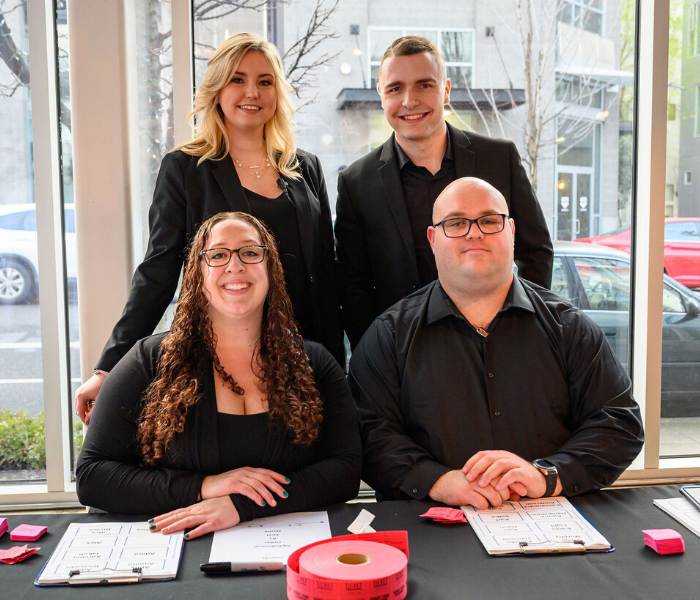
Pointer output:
415, 490
497, 413
575, 488
311, 279
491, 375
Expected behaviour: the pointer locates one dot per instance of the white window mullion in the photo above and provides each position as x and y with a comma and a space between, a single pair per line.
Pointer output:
49, 220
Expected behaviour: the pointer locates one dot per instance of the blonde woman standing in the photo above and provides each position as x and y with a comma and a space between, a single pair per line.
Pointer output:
243, 158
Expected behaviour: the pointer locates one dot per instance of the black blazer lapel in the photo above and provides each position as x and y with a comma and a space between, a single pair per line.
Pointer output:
393, 193
465, 159
225, 174
308, 215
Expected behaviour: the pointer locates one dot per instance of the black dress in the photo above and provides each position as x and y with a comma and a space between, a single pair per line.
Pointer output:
280, 217
111, 477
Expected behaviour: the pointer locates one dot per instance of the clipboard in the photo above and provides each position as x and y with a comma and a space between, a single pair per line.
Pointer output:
535, 527
111, 553
692, 493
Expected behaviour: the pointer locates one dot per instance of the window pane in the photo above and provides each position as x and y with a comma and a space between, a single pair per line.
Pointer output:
456, 46
22, 449
680, 368
380, 40
560, 285
460, 77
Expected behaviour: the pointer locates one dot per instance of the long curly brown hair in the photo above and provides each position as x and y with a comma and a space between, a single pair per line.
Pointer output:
279, 358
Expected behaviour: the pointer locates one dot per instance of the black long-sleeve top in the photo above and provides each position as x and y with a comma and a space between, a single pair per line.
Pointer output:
110, 475
544, 383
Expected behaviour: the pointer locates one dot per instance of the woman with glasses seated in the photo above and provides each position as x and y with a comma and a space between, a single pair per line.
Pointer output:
230, 415
243, 158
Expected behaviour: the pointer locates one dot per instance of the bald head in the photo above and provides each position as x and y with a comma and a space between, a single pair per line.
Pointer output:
473, 263
457, 199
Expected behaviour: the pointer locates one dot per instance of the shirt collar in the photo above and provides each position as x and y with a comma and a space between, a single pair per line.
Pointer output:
403, 158
440, 305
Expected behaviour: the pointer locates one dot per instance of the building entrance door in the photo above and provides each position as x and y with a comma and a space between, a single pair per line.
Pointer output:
574, 204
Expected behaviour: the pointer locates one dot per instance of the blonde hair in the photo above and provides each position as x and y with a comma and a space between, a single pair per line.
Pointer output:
413, 44
210, 137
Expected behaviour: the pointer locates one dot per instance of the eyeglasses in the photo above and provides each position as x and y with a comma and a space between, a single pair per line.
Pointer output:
220, 257
461, 226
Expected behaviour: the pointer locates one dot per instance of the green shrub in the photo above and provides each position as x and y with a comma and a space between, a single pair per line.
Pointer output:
22, 440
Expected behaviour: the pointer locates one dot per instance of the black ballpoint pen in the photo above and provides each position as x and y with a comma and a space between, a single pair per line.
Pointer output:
227, 567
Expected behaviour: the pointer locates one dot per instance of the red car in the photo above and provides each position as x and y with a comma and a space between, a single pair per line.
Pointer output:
681, 248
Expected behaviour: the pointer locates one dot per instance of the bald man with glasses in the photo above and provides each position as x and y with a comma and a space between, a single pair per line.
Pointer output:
483, 386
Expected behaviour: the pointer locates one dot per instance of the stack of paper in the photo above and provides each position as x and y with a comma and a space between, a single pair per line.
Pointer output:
444, 514
664, 541
683, 511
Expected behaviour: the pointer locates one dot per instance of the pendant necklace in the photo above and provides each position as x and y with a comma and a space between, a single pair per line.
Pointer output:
253, 170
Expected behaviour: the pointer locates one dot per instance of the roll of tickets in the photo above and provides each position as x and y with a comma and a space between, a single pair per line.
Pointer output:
358, 567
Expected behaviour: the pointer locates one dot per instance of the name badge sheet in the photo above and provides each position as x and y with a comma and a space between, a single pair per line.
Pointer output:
109, 547
542, 525
271, 539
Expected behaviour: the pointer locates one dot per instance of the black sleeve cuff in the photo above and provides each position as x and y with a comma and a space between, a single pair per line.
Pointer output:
423, 477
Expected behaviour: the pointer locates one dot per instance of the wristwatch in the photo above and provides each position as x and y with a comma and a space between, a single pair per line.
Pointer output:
550, 475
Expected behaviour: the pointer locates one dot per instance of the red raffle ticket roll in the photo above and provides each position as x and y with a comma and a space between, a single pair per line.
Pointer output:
367, 566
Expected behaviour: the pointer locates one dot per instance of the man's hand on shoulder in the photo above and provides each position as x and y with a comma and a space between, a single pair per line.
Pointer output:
505, 470
454, 489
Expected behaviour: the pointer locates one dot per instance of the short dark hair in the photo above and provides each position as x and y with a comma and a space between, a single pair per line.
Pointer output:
413, 44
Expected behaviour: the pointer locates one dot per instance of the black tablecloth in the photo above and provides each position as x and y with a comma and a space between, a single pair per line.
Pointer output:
446, 561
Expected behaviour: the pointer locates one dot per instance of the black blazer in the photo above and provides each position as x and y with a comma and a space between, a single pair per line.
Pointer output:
376, 254
186, 195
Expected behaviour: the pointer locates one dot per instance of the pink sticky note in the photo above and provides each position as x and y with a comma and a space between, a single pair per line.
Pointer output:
3, 526
28, 533
664, 541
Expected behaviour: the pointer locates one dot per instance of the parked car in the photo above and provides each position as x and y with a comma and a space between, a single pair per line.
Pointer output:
597, 280
19, 265
681, 248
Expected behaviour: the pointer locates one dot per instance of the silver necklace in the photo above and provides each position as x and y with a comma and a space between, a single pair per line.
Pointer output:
250, 169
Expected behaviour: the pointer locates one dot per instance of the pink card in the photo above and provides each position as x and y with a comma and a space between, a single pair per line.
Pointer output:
662, 534
16, 554
3, 526
28, 533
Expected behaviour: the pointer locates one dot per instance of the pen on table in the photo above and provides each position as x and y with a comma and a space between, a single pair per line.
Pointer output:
227, 567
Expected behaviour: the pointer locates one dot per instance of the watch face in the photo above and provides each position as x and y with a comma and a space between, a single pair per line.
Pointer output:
544, 466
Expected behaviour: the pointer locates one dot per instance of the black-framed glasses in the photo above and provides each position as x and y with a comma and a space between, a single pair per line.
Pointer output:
220, 257
461, 226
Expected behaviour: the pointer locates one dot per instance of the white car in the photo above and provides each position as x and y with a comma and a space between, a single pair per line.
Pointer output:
19, 264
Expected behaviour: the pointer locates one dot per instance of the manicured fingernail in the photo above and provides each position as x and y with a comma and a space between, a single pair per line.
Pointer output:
285, 494
287, 479
187, 536
151, 520
152, 527
164, 530
264, 503
273, 503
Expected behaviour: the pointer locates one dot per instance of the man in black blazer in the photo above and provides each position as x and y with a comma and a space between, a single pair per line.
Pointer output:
385, 199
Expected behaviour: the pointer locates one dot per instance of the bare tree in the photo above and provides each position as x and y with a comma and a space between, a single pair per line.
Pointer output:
304, 57
546, 117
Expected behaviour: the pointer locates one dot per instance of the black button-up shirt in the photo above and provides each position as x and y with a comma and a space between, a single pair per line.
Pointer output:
432, 391
420, 190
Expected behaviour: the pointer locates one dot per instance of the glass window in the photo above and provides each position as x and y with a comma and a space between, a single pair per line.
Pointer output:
560, 283
681, 232
583, 14
606, 283
673, 301
680, 368
456, 47
22, 443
